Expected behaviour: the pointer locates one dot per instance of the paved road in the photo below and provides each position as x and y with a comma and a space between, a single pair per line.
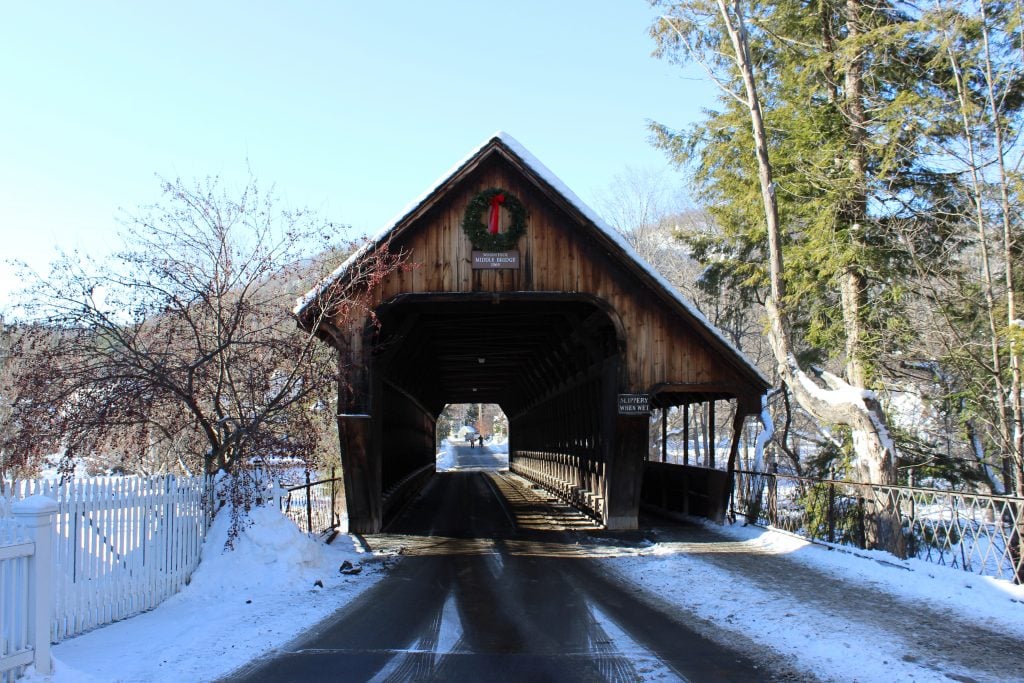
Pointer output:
492, 588
479, 457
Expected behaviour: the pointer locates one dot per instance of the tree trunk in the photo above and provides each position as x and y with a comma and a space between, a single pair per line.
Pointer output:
1017, 448
851, 294
854, 214
1009, 240
988, 286
841, 403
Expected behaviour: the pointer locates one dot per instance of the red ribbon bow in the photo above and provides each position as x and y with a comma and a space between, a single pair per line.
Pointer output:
496, 202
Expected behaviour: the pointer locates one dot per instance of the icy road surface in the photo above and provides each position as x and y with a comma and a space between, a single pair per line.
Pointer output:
492, 588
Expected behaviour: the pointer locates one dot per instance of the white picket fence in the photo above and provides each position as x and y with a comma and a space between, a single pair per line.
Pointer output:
16, 646
121, 545
26, 574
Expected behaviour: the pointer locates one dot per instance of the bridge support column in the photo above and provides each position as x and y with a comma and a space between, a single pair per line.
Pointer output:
626, 442
625, 472
359, 434
362, 474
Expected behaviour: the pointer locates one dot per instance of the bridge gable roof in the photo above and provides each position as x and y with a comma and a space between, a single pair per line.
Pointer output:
513, 154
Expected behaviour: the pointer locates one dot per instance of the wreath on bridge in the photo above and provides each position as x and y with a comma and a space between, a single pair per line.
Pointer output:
487, 237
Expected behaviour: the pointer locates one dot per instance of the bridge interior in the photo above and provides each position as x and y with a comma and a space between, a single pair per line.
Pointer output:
550, 362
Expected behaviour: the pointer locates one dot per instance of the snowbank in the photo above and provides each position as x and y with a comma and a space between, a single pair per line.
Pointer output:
445, 457
269, 552
983, 599
240, 604
827, 630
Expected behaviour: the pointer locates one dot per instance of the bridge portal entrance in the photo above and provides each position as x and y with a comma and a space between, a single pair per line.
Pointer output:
518, 295
550, 361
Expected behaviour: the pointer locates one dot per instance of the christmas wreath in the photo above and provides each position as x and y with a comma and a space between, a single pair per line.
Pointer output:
486, 237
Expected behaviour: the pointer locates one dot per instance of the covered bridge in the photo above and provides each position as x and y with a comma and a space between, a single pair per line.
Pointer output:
519, 295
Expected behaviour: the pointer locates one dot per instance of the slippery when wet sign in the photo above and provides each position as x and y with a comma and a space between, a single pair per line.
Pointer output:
634, 404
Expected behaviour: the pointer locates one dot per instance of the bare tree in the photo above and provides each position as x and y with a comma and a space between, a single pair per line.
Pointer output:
181, 351
7, 365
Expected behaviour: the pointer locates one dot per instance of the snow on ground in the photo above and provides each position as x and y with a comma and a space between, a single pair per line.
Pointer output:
239, 605
242, 604
985, 599
445, 456
830, 639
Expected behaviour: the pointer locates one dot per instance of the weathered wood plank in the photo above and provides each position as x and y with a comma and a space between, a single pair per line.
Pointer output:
558, 253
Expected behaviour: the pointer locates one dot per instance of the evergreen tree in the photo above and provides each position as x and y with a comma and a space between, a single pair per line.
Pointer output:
851, 100
973, 293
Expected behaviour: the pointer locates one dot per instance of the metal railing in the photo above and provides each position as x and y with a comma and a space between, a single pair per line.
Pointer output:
974, 532
313, 505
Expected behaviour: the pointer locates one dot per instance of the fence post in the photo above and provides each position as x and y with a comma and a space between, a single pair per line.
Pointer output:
334, 516
309, 506
831, 509
278, 493
35, 514
861, 531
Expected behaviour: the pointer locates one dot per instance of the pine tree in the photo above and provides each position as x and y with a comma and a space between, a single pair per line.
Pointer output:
851, 99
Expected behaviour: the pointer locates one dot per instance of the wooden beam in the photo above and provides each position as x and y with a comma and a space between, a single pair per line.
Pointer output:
711, 435
686, 433
664, 434
734, 449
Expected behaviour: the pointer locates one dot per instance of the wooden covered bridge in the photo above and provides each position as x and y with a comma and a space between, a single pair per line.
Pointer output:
520, 295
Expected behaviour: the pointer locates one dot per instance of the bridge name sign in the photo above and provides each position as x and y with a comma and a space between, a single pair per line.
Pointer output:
489, 260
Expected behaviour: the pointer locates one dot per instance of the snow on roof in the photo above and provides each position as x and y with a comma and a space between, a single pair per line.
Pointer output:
561, 188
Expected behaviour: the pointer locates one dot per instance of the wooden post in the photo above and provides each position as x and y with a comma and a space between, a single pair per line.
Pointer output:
35, 514
627, 449
362, 475
831, 516
607, 410
711, 434
625, 477
309, 506
334, 514
360, 452
686, 433
664, 434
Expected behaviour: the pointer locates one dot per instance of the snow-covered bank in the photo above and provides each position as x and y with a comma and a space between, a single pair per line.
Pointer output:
239, 605
445, 457
834, 614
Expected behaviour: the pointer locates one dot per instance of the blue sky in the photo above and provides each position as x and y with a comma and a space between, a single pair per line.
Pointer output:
350, 108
